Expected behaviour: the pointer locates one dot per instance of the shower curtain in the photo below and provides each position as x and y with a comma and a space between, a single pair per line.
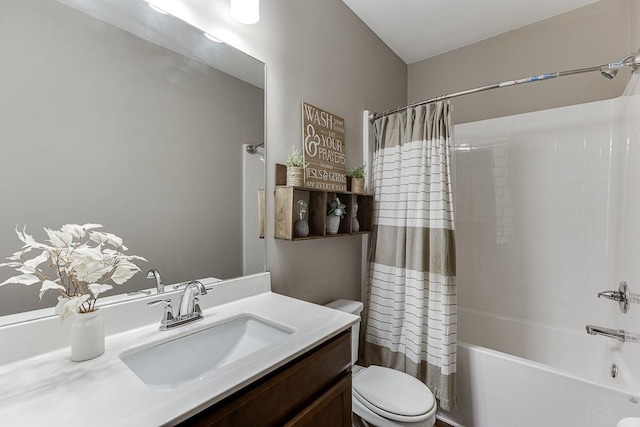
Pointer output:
411, 310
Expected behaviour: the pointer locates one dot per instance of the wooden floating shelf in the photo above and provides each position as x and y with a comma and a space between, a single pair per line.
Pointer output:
287, 198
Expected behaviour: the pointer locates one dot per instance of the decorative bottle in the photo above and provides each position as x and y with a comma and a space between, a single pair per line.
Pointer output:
301, 228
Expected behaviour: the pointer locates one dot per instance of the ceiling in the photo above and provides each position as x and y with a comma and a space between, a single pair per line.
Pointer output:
420, 29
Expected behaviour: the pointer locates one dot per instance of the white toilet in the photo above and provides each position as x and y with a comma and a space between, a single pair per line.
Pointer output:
385, 397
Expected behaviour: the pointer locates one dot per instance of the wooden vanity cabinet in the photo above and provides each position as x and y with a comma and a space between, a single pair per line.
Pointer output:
313, 390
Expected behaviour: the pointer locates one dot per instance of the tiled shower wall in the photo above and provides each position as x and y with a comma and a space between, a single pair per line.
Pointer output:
547, 211
627, 265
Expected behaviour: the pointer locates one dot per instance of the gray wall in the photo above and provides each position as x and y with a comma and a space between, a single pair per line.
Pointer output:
329, 58
634, 18
593, 35
100, 126
321, 53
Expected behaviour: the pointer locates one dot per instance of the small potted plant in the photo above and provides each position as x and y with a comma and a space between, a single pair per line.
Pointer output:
356, 179
335, 212
295, 168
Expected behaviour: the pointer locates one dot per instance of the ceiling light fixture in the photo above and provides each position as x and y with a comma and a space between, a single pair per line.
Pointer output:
245, 11
212, 38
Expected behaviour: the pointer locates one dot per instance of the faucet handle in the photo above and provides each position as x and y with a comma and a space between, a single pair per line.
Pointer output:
612, 295
168, 312
196, 307
166, 302
621, 296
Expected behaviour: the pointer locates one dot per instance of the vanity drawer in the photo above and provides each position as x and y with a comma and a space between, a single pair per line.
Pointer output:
331, 409
307, 390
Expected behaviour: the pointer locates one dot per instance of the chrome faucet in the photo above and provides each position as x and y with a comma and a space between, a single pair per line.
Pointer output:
189, 310
618, 334
155, 274
189, 301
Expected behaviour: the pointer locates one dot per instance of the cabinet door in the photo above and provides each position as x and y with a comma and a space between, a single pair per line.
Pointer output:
332, 409
285, 393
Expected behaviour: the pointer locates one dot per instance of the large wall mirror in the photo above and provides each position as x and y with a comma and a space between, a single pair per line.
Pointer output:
113, 113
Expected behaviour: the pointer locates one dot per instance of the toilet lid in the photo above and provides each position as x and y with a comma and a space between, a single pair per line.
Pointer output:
397, 394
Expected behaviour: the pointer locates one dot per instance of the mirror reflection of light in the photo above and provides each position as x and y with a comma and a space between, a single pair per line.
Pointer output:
212, 38
231, 38
157, 9
245, 11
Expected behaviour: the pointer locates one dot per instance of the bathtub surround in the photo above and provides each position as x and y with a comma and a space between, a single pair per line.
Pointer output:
547, 216
537, 201
411, 299
548, 221
627, 252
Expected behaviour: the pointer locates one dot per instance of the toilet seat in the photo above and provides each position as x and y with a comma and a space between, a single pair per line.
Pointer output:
393, 394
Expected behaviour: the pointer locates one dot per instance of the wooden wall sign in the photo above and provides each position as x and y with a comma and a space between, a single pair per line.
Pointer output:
324, 149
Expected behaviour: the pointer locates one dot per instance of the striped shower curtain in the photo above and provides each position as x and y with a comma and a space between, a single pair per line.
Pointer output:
411, 310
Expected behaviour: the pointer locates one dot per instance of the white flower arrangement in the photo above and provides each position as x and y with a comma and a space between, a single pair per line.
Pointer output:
83, 260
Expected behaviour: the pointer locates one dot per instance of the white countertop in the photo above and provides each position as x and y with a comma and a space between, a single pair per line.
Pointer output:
49, 389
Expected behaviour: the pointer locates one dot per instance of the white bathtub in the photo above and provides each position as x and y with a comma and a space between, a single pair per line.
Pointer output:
537, 376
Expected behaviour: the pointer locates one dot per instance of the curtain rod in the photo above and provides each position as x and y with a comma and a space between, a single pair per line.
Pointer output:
608, 70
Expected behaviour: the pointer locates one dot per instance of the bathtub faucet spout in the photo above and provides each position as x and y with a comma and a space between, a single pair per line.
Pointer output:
618, 334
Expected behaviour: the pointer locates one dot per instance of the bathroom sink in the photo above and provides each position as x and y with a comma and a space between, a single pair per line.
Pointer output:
186, 358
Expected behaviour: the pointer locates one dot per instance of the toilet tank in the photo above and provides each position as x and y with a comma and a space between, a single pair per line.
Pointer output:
353, 307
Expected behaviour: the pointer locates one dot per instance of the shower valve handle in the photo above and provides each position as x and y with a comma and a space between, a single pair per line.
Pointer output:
621, 296
613, 295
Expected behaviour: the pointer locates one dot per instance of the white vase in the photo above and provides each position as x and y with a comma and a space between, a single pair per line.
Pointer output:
333, 224
301, 228
61, 302
87, 336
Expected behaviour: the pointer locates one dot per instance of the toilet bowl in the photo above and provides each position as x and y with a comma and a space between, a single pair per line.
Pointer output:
385, 397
